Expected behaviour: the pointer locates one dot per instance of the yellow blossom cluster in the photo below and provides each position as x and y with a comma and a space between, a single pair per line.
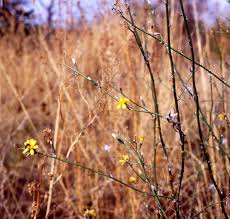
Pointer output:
89, 214
221, 116
124, 160
132, 179
122, 103
30, 146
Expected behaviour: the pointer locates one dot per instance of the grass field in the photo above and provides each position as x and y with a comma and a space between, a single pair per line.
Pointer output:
39, 91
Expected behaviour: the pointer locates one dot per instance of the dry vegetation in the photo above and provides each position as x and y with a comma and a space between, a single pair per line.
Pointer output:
38, 91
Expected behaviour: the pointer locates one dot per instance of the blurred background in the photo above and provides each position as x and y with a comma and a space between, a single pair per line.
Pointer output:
38, 38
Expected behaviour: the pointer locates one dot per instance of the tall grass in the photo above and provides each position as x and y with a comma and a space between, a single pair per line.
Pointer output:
38, 91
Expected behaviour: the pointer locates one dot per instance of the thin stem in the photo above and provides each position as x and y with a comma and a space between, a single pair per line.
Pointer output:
178, 127
153, 89
99, 172
151, 187
210, 128
196, 98
205, 209
105, 91
154, 35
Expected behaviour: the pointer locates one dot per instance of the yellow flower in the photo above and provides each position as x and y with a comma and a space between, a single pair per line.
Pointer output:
141, 139
122, 103
132, 179
89, 214
221, 116
124, 160
30, 147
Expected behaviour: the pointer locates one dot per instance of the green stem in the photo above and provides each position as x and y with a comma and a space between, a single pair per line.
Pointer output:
98, 172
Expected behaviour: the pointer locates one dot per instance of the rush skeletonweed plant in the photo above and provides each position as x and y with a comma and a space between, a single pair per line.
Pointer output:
132, 179
122, 103
221, 116
30, 147
124, 160
88, 214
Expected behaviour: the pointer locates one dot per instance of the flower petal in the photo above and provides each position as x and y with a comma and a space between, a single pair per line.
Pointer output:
31, 152
118, 106
122, 162
25, 150
124, 106
35, 147
33, 142
27, 142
